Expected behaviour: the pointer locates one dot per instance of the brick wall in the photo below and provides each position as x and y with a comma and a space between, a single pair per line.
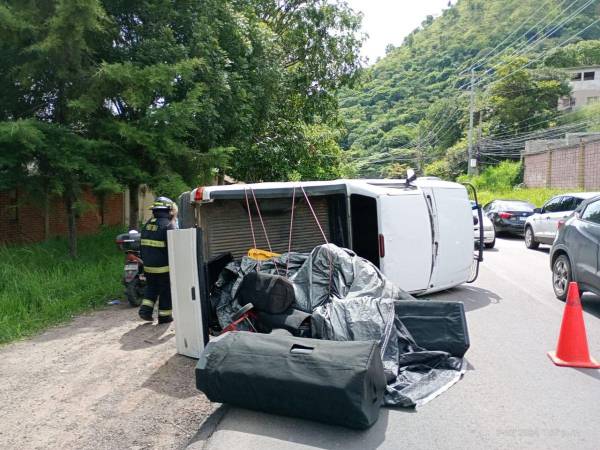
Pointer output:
22, 216
535, 170
573, 167
592, 166
564, 168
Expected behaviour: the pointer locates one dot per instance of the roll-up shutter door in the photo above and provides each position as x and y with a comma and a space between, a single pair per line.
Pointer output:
227, 227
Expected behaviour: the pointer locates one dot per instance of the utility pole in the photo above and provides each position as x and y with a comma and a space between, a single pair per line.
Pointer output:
419, 156
479, 136
470, 165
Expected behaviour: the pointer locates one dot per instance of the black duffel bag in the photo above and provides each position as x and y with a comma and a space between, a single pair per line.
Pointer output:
272, 294
334, 382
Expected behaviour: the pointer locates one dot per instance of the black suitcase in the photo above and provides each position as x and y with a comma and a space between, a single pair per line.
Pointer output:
328, 381
436, 325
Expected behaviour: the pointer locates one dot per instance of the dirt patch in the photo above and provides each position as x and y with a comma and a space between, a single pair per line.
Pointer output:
104, 381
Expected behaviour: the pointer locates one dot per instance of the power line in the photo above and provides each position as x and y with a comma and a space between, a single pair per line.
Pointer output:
543, 54
480, 62
487, 74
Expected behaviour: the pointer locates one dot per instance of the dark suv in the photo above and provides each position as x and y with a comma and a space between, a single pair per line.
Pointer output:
574, 254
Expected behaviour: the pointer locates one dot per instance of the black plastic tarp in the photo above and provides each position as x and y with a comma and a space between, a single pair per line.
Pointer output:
351, 300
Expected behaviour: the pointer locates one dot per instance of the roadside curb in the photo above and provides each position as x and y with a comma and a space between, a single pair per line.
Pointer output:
208, 427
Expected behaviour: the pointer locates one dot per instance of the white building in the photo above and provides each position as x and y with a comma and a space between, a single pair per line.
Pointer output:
585, 82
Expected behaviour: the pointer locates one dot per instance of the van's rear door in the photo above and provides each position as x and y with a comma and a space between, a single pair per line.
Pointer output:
405, 228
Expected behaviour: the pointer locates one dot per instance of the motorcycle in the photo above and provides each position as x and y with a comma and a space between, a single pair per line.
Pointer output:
134, 279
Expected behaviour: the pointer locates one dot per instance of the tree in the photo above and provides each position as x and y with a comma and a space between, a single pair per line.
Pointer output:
107, 93
583, 53
50, 50
523, 99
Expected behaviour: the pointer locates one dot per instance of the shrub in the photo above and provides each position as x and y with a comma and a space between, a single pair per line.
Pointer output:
502, 177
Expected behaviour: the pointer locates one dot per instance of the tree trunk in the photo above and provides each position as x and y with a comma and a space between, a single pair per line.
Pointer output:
101, 197
72, 224
46, 216
134, 206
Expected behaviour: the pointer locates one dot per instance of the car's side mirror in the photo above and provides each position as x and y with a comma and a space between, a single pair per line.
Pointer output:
537, 211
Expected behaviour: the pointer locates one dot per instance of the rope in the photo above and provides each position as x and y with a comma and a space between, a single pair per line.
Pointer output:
287, 263
263, 227
323, 233
314, 214
261, 220
250, 217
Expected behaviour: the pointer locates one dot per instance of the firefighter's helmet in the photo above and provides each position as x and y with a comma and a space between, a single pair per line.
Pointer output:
162, 203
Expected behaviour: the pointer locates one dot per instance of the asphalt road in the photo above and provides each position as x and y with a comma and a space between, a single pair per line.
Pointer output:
512, 396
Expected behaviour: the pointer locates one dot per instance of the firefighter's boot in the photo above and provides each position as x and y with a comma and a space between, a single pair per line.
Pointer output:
146, 310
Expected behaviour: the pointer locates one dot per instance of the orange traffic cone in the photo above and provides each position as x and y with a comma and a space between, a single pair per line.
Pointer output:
572, 349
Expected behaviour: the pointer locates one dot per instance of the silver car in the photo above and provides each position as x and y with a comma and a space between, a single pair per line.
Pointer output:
541, 227
489, 233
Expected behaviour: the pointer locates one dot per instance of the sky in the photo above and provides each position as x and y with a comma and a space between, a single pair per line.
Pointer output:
389, 21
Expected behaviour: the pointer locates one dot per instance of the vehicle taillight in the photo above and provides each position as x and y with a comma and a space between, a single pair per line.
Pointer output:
560, 224
505, 215
199, 194
381, 246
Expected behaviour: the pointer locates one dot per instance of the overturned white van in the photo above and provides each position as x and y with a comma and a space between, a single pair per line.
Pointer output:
420, 234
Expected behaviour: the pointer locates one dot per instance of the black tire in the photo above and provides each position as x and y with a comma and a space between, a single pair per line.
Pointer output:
490, 244
133, 293
562, 275
530, 241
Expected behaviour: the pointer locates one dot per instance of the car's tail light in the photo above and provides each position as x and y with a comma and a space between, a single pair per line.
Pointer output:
560, 224
505, 215
381, 246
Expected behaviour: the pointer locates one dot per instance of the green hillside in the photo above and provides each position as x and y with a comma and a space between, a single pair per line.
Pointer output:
412, 106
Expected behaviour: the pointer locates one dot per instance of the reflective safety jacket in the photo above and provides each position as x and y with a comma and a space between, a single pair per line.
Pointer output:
154, 245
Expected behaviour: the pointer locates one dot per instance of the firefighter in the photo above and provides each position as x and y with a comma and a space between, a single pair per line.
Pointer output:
156, 262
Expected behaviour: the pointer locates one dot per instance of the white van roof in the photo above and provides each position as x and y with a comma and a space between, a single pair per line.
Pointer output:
372, 187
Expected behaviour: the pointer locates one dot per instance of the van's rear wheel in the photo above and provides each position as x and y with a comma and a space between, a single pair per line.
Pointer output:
530, 241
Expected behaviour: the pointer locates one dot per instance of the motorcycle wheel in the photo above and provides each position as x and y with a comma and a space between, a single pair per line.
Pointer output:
133, 293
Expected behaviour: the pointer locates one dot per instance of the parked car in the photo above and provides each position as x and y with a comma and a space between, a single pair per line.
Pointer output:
574, 254
508, 216
489, 233
541, 227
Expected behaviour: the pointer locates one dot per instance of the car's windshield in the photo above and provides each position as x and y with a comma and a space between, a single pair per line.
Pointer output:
515, 206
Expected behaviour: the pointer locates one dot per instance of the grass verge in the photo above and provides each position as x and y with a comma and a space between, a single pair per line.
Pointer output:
537, 196
41, 286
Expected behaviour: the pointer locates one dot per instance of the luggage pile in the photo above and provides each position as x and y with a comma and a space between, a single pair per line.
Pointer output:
325, 336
